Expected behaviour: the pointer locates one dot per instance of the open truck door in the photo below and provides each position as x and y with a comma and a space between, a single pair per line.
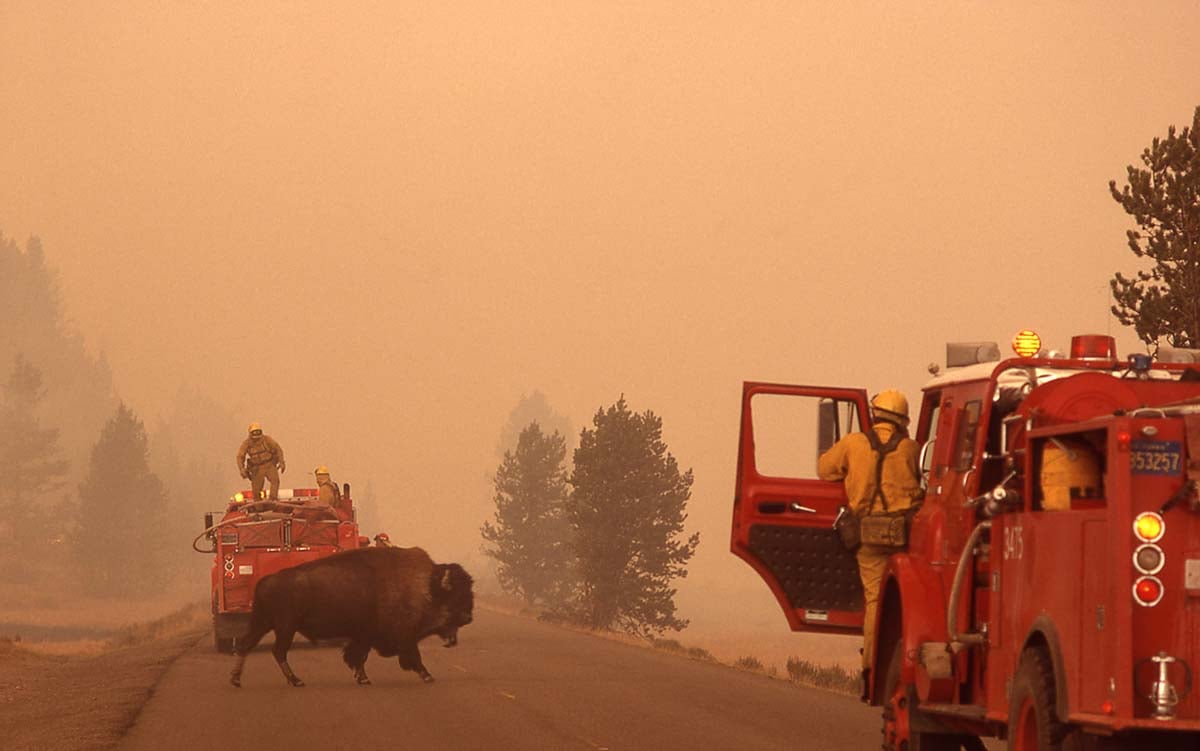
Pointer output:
783, 514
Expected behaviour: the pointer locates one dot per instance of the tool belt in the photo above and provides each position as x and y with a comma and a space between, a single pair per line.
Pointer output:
886, 530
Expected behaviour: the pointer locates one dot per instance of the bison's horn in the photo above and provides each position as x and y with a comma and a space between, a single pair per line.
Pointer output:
446, 580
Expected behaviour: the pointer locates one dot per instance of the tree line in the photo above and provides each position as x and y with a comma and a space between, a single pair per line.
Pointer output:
599, 544
96, 501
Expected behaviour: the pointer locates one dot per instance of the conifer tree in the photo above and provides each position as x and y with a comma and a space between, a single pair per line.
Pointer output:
1162, 302
124, 545
529, 539
533, 407
32, 460
627, 509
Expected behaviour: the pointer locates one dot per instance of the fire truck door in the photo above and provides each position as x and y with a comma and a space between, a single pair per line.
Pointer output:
783, 514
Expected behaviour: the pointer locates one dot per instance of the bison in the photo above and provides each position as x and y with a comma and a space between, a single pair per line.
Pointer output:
386, 599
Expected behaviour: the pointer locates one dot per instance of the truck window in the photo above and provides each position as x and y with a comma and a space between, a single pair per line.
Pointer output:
927, 432
789, 432
968, 430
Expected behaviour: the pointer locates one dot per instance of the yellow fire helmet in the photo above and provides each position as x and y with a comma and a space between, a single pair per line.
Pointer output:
321, 470
1070, 470
890, 405
254, 427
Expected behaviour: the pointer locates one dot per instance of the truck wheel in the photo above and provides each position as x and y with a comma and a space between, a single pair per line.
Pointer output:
1032, 725
898, 708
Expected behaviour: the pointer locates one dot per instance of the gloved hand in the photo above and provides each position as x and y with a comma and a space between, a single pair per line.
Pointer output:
245, 475
282, 467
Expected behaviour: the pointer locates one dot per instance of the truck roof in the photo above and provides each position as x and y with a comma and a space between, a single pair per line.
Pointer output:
1015, 372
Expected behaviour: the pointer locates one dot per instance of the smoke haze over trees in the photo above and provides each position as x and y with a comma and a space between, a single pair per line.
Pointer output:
1163, 197
33, 464
531, 408
85, 488
78, 387
190, 452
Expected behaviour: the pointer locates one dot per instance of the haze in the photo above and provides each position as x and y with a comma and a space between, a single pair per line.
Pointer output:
374, 229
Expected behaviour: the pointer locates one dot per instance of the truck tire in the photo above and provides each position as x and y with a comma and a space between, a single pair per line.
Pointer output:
224, 644
898, 706
1032, 724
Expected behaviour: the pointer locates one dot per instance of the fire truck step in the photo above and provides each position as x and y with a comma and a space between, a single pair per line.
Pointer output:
962, 711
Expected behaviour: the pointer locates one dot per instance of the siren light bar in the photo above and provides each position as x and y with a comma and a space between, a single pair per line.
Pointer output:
285, 494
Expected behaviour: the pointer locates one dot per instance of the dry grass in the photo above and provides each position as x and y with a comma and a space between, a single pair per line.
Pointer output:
833, 676
85, 700
187, 620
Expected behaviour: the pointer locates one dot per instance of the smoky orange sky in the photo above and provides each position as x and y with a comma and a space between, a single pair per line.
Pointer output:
375, 227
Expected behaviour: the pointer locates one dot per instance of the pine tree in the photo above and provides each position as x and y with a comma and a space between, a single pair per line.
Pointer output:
123, 544
1163, 303
32, 461
529, 539
627, 509
530, 408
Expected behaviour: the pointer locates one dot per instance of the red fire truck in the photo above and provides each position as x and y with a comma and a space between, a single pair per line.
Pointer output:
1050, 591
253, 538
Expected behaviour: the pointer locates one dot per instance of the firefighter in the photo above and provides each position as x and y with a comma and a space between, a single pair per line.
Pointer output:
382, 540
327, 489
882, 478
260, 458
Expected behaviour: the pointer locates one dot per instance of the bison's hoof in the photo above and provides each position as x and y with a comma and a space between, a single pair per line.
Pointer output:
296, 682
427, 678
364, 681
237, 682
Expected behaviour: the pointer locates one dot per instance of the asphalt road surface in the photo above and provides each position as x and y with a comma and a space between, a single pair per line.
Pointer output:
511, 683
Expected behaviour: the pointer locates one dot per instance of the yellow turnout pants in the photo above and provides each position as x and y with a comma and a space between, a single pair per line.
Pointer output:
871, 562
261, 473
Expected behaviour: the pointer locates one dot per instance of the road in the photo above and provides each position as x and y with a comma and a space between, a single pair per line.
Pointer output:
511, 683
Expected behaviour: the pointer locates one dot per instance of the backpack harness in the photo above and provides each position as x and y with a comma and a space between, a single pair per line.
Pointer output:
881, 449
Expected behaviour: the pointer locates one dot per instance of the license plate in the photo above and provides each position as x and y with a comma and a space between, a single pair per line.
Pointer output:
1156, 457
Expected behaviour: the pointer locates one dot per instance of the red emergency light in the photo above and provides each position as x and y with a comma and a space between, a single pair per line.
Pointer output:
1148, 591
1093, 347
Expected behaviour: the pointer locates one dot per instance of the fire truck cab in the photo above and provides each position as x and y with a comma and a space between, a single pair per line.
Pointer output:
251, 539
1050, 590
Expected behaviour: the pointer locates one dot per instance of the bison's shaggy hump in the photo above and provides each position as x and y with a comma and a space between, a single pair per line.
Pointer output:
382, 598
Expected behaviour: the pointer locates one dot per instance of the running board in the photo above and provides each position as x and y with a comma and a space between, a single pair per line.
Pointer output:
973, 712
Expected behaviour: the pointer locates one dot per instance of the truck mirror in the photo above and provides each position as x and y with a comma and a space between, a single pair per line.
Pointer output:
208, 522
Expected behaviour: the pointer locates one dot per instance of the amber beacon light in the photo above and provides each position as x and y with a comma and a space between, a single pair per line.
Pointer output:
1026, 343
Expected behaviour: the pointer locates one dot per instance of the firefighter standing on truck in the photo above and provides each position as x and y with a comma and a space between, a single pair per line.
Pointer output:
882, 479
260, 458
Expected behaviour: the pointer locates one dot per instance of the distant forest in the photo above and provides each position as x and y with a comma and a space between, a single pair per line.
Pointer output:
95, 498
